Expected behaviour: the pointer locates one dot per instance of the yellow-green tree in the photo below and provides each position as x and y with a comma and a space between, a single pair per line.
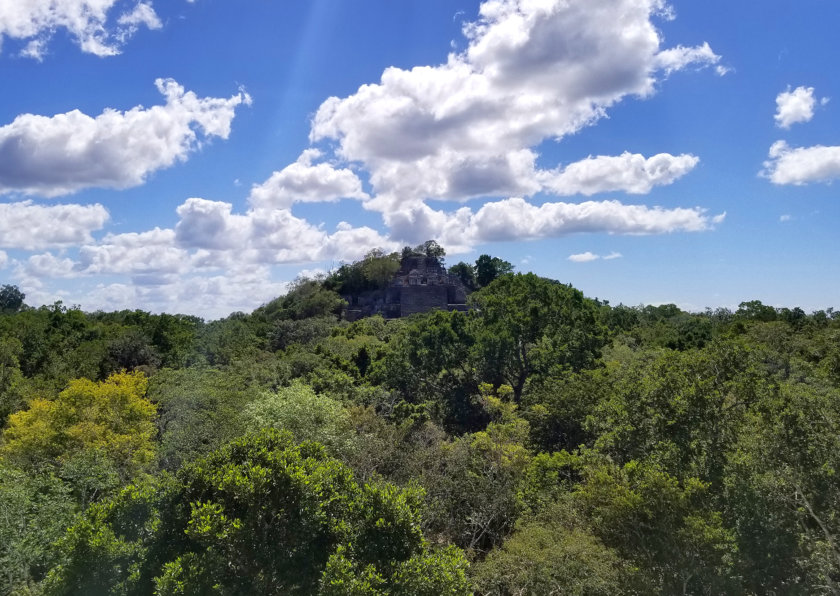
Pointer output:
95, 435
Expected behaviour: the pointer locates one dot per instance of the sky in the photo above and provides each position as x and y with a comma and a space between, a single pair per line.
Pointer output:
196, 156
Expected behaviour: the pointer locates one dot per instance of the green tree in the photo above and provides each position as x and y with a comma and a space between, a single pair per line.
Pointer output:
11, 379
553, 554
11, 299
488, 268
783, 492
307, 415
379, 268
528, 325
261, 516
199, 410
428, 362
35, 510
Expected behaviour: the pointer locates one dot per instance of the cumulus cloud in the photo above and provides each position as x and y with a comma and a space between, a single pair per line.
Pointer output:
52, 156
4, 259
49, 265
24, 225
89, 23
628, 172
532, 71
517, 219
147, 253
801, 165
306, 182
795, 106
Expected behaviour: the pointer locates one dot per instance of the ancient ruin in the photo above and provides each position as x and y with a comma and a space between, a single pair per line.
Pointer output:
421, 284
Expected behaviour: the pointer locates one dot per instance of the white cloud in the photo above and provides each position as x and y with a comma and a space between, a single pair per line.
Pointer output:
533, 70
143, 14
148, 253
209, 296
586, 257
306, 182
49, 265
516, 219
58, 155
210, 225
801, 165
680, 57
24, 225
89, 22
795, 106
628, 172
785, 217
4, 259
583, 257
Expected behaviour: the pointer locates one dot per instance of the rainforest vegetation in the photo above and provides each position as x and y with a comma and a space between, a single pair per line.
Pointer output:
541, 443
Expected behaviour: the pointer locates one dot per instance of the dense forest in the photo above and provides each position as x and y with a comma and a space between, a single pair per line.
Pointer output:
540, 443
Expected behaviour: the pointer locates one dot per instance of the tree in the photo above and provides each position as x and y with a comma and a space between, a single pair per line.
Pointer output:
11, 298
428, 362
307, 415
432, 249
528, 324
754, 310
260, 516
11, 379
488, 268
199, 410
379, 268
35, 510
553, 554
97, 435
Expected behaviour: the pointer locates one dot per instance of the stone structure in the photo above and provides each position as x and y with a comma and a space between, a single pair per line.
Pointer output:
421, 284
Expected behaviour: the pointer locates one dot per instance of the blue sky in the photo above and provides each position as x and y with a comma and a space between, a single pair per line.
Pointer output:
196, 156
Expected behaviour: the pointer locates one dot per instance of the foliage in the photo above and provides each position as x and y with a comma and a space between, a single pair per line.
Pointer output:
466, 273
262, 515
567, 445
97, 435
529, 325
199, 410
35, 509
307, 416
553, 555
11, 298
488, 268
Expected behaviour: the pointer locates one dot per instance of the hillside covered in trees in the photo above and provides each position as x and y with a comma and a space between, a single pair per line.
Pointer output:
540, 442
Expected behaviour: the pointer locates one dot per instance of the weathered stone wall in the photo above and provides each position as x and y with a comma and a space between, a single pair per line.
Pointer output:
414, 299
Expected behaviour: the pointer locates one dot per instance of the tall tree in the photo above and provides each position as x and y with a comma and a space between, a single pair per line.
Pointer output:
488, 268
11, 298
528, 324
